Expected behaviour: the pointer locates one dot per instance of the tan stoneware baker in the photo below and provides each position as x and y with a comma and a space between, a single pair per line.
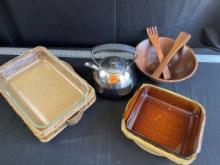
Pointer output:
45, 92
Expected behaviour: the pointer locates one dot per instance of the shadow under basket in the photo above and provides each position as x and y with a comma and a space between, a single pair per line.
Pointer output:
165, 123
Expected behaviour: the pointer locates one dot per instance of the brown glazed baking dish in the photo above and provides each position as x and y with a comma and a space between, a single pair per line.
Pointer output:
165, 123
182, 66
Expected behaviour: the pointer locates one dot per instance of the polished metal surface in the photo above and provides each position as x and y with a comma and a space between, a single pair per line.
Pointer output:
112, 75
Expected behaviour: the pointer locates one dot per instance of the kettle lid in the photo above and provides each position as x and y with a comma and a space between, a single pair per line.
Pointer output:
113, 64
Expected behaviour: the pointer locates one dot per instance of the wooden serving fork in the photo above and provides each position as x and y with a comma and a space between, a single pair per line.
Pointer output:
154, 38
181, 40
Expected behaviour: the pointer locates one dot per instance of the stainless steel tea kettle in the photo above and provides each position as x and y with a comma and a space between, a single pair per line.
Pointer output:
112, 74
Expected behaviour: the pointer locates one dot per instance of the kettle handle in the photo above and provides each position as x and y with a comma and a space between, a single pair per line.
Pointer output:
112, 48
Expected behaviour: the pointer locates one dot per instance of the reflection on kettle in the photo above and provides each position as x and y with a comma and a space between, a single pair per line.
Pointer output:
112, 75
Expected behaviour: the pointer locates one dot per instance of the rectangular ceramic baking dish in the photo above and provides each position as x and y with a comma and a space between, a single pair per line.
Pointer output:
41, 88
168, 122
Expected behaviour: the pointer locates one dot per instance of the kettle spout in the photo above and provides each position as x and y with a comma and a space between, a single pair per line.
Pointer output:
92, 66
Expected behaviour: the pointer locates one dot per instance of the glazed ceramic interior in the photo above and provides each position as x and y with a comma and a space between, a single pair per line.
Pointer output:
167, 121
182, 66
36, 83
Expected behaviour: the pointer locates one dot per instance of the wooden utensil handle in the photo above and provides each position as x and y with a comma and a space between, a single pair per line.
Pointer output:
181, 40
166, 71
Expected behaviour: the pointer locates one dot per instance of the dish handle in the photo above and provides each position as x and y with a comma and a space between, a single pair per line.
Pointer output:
131, 103
75, 118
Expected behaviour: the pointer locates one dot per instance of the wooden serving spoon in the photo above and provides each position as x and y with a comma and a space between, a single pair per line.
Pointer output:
181, 40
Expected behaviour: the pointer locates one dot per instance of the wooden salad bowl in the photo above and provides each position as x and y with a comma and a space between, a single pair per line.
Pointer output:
182, 66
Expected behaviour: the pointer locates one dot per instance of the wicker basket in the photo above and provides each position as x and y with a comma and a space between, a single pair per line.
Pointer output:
67, 118
150, 147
